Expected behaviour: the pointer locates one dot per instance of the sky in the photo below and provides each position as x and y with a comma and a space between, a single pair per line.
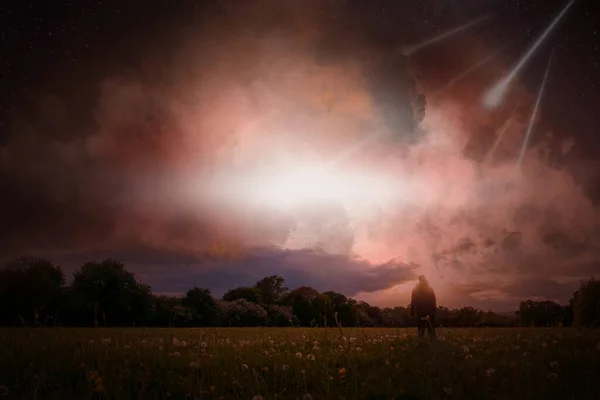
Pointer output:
332, 142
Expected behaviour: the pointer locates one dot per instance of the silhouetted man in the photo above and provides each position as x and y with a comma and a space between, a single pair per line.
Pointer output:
423, 304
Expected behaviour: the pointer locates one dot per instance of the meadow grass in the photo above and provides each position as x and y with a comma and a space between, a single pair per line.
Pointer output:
297, 363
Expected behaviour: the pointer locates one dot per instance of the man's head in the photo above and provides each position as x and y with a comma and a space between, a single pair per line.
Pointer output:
423, 280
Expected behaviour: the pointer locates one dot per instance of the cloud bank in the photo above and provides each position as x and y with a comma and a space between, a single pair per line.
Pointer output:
245, 89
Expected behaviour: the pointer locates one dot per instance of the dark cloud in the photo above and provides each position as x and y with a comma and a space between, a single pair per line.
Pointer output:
249, 84
171, 272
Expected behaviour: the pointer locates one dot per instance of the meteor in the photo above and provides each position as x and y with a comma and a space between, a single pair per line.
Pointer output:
494, 97
534, 113
474, 67
501, 135
409, 50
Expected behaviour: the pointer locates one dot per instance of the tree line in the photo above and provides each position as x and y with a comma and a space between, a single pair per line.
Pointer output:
33, 292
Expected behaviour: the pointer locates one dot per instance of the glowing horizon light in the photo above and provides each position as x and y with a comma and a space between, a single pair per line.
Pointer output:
313, 183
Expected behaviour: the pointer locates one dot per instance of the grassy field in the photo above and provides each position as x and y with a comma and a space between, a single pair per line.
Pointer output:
288, 363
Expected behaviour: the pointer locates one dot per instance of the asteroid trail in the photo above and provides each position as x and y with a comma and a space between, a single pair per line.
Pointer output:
409, 50
501, 135
493, 97
534, 113
474, 67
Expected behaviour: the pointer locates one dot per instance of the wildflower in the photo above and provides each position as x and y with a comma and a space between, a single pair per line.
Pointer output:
358, 349
203, 345
285, 367
93, 375
245, 366
316, 348
342, 372
468, 357
266, 369
553, 364
392, 348
298, 355
490, 372
315, 343
544, 345
310, 357
175, 354
552, 375
266, 353
465, 349
352, 339
193, 365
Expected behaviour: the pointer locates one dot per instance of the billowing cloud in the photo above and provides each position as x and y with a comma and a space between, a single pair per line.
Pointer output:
169, 272
170, 157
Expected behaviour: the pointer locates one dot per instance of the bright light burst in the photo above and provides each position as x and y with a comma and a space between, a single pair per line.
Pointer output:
300, 184
289, 183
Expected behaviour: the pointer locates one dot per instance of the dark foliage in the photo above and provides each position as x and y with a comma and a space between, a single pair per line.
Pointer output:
104, 293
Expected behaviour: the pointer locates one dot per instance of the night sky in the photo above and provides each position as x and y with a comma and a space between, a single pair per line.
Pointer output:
114, 114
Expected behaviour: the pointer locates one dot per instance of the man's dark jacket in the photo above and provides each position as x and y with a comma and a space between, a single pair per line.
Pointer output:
423, 300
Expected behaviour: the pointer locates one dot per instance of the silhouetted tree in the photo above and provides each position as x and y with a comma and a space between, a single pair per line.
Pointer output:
108, 294
585, 304
243, 313
271, 288
168, 311
467, 316
343, 306
250, 294
309, 305
540, 313
30, 291
280, 315
202, 305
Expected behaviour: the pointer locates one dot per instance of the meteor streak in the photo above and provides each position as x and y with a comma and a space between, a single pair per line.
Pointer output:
534, 112
494, 97
409, 50
501, 135
474, 67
